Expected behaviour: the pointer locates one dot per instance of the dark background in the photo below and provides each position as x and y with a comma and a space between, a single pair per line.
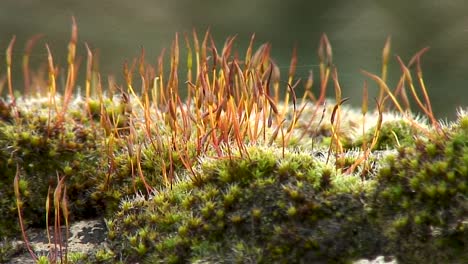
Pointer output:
357, 31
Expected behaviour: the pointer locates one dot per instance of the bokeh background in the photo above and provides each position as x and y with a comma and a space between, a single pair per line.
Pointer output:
356, 29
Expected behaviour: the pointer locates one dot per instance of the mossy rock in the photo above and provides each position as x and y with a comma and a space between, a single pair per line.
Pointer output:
42, 148
295, 208
39, 153
234, 173
259, 209
421, 198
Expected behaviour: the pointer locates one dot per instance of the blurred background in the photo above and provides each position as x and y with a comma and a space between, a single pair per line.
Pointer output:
356, 29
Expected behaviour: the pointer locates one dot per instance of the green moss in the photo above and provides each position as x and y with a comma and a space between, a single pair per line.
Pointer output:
429, 194
103, 255
94, 163
259, 208
43, 260
392, 133
262, 213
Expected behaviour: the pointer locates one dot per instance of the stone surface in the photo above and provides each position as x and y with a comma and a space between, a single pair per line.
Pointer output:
85, 236
377, 260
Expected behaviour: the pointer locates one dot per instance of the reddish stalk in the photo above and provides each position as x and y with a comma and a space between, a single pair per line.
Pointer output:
27, 54
19, 205
71, 73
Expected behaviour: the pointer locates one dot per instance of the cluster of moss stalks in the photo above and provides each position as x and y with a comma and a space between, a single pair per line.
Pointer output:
41, 151
234, 175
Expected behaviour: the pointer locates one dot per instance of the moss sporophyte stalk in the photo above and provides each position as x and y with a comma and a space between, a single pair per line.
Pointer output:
249, 166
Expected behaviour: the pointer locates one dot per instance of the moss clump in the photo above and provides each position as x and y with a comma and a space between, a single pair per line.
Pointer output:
420, 198
399, 132
270, 208
42, 147
265, 208
42, 151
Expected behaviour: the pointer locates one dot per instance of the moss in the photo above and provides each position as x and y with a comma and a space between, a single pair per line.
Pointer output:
399, 132
44, 151
288, 208
246, 213
27, 146
232, 174
431, 198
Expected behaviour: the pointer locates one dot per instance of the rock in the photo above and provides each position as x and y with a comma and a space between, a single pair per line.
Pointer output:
85, 237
